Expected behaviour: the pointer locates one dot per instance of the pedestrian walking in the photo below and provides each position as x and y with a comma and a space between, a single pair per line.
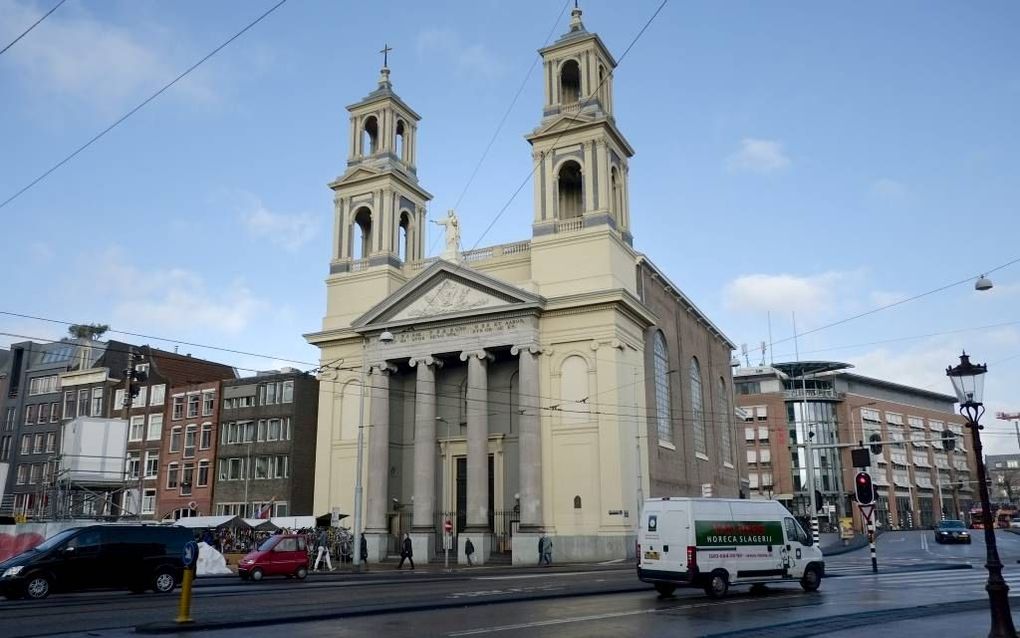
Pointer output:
363, 549
406, 551
545, 550
469, 551
323, 544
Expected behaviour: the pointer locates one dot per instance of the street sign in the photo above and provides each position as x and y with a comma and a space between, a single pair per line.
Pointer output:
867, 510
190, 553
448, 526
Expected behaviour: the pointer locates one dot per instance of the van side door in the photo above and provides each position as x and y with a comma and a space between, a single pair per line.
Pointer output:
796, 542
79, 562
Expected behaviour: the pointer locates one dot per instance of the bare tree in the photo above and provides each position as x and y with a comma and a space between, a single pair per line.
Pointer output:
88, 330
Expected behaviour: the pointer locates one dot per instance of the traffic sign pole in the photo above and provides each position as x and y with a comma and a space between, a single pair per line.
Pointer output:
447, 529
189, 559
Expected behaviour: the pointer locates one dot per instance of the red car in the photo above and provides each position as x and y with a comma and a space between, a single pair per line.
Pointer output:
280, 555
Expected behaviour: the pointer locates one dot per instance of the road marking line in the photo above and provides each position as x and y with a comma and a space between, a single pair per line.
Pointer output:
546, 575
606, 616
612, 562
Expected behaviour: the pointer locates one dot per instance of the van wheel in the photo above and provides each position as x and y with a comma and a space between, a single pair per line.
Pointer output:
164, 582
256, 574
812, 579
301, 573
37, 587
718, 584
664, 589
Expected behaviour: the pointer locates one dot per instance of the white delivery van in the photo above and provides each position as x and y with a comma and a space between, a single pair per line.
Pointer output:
715, 543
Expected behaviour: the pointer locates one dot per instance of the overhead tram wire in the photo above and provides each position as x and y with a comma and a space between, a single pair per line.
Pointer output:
144, 102
502, 121
33, 25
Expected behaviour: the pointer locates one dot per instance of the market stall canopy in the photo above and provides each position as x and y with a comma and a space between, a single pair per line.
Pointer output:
261, 524
212, 522
294, 522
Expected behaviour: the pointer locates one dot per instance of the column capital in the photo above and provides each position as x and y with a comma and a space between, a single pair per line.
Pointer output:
525, 347
427, 360
482, 354
381, 367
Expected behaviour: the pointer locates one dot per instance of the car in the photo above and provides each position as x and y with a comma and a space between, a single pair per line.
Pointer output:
1014, 522
951, 531
280, 555
716, 543
133, 557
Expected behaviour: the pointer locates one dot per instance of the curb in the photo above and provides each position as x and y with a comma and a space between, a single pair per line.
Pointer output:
158, 628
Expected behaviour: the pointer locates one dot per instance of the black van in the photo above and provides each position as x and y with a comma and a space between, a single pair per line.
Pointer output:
134, 557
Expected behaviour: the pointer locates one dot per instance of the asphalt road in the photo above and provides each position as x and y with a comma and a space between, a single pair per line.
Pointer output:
565, 601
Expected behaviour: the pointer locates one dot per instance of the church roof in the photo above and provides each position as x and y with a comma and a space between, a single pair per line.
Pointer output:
384, 92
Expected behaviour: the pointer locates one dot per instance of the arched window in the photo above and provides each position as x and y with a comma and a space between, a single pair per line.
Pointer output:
404, 239
663, 408
369, 136
697, 408
570, 186
363, 243
399, 142
723, 421
570, 82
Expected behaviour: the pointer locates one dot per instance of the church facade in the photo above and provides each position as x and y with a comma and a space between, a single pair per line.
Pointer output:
542, 387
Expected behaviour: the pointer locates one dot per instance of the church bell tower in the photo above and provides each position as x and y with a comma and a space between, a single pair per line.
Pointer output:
380, 214
581, 180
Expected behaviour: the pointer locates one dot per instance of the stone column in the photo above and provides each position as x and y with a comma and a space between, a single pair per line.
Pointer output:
477, 454
423, 532
376, 528
530, 445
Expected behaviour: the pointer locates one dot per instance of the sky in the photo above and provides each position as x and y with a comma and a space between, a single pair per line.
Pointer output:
816, 159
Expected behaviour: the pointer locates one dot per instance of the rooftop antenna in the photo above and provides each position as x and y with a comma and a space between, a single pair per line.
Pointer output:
769, 315
743, 351
763, 346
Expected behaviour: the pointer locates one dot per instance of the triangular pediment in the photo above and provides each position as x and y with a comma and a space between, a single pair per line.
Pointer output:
563, 123
446, 290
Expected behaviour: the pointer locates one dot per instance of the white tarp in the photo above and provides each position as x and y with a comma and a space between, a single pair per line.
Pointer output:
92, 450
294, 522
202, 522
211, 562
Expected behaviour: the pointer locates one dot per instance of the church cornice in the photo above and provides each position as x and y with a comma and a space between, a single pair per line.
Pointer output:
572, 40
383, 95
364, 175
580, 125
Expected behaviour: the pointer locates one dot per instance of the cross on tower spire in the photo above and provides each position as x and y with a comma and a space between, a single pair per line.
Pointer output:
386, 55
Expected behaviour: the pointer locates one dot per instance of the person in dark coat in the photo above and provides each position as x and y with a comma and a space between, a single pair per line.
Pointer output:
469, 551
406, 551
207, 538
364, 550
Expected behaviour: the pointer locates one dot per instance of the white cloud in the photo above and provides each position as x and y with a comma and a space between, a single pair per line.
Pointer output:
171, 301
74, 54
758, 156
881, 298
469, 59
805, 294
290, 231
890, 190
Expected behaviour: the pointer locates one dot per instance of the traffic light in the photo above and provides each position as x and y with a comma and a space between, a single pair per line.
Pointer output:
876, 448
865, 489
949, 440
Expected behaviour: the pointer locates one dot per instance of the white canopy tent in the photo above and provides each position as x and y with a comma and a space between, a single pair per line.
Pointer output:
212, 522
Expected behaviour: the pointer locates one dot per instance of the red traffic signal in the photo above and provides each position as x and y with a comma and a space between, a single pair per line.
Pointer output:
448, 526
865, 490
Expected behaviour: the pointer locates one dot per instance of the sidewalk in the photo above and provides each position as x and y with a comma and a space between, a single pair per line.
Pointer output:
968, 623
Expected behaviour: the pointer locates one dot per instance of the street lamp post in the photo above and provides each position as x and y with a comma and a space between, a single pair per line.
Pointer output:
968, 383
385, 337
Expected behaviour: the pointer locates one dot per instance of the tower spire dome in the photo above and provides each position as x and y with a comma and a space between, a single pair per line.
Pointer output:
384, 72
575, 18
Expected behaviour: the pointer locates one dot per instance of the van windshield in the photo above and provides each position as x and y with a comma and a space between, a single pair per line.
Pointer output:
56, 539
268, 545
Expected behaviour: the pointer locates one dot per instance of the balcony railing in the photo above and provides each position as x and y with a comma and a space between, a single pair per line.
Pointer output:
814, 393
566, 225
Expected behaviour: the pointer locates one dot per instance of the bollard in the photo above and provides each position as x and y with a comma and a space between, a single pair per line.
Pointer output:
184, 608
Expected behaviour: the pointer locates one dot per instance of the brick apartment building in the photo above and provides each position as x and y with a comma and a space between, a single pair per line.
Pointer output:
188, 451
918, 480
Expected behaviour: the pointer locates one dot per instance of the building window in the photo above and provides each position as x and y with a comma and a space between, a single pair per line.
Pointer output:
55, 412
83, 402
193, 402
187, 478
274, 430
663, 409
43, 385
30, 414
280, 467
139, 400
69, 405
22, 474
5, 448
208, 402
175, 438
151, 464
262, 467
288, 392
97, 402
190, 432
205, 440
44, 413
51, 442
271, 394
203, 473
133, 464
118, 400
234, 469
137, 430
158, 394
178, 408
26, 444
155, 427
149, 501
697, 409
9, 419
39, 444
172, 471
